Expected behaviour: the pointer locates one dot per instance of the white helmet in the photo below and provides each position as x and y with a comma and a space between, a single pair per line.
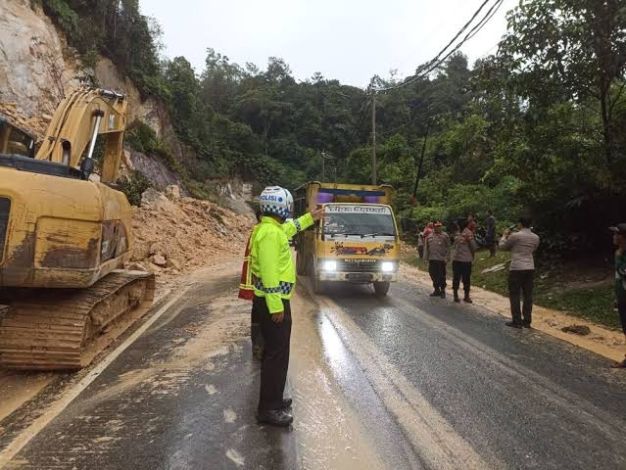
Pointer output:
276, 201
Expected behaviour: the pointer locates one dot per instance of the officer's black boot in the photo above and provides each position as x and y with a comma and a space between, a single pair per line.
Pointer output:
457, 299
435, 293
275, 418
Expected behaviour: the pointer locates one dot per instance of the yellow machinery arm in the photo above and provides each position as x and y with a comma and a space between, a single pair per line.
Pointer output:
81, 118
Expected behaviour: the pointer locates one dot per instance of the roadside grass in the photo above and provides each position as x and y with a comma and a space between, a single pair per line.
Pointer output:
594, 302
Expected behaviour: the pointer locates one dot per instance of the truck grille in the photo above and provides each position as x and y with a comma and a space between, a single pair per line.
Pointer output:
5, 209
358, 266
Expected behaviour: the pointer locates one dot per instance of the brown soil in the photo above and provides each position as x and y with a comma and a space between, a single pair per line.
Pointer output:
19, 387
175, 235
34, 126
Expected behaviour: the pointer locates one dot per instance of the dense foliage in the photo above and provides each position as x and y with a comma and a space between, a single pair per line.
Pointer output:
538, 127
134, 186
116, 29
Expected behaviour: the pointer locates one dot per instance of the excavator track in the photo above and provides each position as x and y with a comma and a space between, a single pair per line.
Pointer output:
64, 329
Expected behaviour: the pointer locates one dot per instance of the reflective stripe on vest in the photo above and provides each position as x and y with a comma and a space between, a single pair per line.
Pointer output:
246, 288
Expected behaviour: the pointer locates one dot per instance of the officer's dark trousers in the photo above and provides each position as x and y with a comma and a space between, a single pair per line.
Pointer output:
461, 271
521, 282
275, 355
255, 326
437, 271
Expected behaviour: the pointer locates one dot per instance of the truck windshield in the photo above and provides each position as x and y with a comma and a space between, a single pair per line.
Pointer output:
364, 221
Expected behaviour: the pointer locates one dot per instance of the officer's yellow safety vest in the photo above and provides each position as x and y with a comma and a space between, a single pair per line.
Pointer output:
268, 269
290, 228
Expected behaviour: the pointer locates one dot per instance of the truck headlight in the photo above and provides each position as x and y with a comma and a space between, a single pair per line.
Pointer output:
329, 265
388, 267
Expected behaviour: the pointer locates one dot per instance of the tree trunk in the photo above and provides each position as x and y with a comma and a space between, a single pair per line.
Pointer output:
602, 21
606, 124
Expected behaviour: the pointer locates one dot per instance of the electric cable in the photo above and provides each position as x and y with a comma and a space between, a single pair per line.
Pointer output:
434, 63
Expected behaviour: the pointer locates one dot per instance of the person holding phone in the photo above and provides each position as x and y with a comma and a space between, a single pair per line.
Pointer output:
522, 245
464, 247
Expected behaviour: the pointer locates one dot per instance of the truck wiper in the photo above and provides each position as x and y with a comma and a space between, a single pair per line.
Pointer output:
344, 235
378, 234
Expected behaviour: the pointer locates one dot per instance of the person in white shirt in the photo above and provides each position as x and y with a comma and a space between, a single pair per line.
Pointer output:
522, 245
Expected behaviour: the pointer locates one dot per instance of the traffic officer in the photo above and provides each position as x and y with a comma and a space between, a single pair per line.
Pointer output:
274, 280
246, 288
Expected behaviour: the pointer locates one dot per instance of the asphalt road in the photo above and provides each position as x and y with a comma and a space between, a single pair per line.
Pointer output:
402, 382
517, 398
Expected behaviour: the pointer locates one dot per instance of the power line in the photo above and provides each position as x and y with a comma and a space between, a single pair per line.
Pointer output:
476, 13
432, 65
425, 70
438, 60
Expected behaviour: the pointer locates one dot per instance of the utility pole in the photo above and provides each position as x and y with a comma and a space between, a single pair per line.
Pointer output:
374, 165
420, 166
332, 159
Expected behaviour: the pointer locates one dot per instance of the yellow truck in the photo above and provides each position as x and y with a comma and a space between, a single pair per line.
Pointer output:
357, 240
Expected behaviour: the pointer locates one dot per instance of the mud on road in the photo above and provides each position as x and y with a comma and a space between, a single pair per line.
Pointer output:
183, 394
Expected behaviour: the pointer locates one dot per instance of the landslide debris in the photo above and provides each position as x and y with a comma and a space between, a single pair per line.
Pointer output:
34, 126
175, 234
581, 330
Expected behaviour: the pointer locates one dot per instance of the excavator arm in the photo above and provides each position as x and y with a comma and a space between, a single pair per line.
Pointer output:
82, 118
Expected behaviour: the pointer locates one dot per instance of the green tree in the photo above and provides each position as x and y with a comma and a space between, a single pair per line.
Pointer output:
570, 50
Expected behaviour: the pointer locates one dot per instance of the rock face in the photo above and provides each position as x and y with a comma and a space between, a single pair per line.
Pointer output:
154, 169
36, 67
149, 111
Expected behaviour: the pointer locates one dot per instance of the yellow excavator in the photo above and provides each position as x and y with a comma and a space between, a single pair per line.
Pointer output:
64, 240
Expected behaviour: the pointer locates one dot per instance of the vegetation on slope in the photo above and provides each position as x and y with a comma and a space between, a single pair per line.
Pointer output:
537, 127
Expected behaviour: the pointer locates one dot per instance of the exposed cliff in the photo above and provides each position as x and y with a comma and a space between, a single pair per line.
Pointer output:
37, 68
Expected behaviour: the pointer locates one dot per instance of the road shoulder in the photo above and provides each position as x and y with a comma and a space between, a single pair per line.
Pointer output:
601, 340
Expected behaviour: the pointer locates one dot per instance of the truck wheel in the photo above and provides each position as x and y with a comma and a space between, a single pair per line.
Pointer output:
381, 288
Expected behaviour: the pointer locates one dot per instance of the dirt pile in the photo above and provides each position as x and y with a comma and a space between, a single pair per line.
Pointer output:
35, 126
175, 234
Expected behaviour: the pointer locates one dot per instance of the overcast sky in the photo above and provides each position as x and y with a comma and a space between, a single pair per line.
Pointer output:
350, 40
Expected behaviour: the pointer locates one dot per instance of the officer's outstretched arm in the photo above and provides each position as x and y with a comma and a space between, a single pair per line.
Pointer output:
293, 227
269, 247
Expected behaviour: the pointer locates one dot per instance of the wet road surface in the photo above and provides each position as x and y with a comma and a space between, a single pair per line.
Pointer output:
182, 396
513, 398
401, 382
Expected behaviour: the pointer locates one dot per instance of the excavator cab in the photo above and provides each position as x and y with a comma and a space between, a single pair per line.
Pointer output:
13, 138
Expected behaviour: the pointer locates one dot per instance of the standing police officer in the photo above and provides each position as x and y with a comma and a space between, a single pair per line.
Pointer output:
437, 252
274, 280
